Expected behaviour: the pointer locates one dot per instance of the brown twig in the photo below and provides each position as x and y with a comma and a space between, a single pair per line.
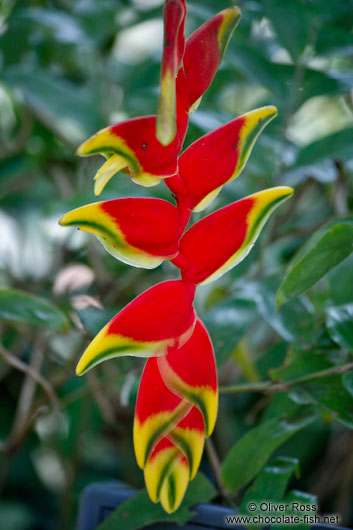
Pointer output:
216, 468
32, 373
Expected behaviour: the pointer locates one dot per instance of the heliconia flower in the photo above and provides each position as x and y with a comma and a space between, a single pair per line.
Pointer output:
158, 410
162, 317
204, 51
219, 241
141, 232
173, 51
190, 372
132, 146
217, 158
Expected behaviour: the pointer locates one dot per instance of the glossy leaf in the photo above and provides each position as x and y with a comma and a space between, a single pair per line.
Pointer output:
141, 232
20, 306
160, 318
227, 323
224, 238
347, 382
190, 372
302, 502
337, 146
328, 251
339, 322
251, 452
270, 486
217, 158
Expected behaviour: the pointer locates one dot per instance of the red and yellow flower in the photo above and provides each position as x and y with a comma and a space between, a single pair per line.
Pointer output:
177, 401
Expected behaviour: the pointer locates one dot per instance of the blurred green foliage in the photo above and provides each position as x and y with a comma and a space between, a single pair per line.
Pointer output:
70, 68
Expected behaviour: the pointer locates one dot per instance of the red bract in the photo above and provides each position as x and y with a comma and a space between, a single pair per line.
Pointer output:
160, 318
173, 51
176, 408
178, 396
132, 146
139, 231
217, 158
205, 49
224, 238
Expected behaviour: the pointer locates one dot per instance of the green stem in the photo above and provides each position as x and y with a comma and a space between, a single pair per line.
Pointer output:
275, 386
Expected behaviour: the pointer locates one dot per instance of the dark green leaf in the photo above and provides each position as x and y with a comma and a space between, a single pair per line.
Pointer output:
291, 24
299, 363
339, 322
347, 382
336, 146
329, 395
140, 511
292, 322
329, 251
270, 485
227, 323
63, 107
252, 451
20, 306
299, 504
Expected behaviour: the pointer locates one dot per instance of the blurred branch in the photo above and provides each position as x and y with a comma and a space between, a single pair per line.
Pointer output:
99, 396
216, 468
17, 144
33, 373
272, 386
340, 192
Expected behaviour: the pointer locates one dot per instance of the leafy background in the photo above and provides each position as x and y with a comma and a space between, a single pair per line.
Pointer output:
286, 409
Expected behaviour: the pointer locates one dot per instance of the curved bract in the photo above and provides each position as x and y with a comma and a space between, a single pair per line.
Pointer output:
168, 431
141, 232
224, 238
204, 51
160, 318
190, 372
173, 51
217, 158
132, 145
157, 411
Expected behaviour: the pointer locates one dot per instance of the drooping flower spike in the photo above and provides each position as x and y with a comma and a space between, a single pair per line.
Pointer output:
141, 232
221, 240
217, 158
160, 318
178, 396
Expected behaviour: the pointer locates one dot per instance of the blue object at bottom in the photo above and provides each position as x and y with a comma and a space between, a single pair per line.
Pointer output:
99, 500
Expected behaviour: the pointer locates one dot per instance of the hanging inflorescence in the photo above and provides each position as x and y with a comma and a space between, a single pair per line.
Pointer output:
178, 396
